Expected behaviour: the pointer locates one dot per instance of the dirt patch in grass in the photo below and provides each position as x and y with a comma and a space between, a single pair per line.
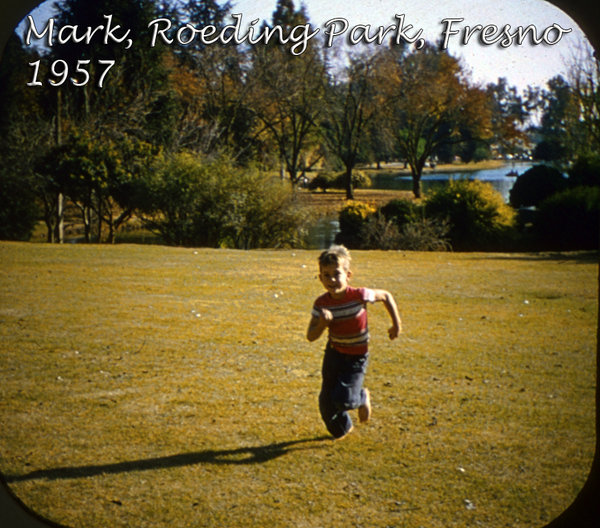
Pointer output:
152, 386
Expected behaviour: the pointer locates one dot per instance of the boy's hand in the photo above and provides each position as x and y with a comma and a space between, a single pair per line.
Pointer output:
325, 316
318, 324
394, 331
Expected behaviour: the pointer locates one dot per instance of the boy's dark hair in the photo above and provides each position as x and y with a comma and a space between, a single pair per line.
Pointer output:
334, 255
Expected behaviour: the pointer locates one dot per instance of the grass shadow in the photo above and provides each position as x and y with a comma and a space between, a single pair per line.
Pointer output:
242, 455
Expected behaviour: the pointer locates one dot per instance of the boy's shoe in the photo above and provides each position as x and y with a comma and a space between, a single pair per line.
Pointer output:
364, 411
345, 434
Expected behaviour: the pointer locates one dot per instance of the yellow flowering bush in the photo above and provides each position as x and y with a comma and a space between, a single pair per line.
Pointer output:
478, 216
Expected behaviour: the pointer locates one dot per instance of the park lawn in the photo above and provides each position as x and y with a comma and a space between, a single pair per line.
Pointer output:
150, 386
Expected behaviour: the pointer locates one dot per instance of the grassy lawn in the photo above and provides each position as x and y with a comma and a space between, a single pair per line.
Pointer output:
150, 386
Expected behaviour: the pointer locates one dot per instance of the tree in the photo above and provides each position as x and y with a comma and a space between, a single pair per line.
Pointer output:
74, 168
208, 84
26, 128
509, 115
99, 178
431, 104
128, 162
584, 82
129, 104
135, 89
553, 130
286, 93
348, 110
18, 208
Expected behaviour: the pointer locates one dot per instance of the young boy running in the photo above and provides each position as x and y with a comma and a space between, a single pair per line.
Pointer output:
342, 309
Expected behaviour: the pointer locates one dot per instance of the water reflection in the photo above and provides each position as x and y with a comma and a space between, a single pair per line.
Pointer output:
322, 233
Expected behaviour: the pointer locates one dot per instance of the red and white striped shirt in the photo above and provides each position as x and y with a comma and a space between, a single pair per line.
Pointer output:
349, 330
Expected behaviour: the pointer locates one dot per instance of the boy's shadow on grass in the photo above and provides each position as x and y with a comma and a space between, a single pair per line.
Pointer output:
242, 455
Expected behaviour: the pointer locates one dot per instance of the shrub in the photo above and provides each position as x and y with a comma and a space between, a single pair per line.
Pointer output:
401, 212
323, 181
360, 180
261, 212
19, 212
550, 150
352, 218
421, 234
535, 185
570, 220
476, 214
585, 171
330, 180
425, 234
194, 203
377, 232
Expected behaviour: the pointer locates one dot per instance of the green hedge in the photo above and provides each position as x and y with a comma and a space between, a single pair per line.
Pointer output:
570, 220
478, 217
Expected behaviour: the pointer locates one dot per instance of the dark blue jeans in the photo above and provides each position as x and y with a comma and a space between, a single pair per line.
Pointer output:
341, 389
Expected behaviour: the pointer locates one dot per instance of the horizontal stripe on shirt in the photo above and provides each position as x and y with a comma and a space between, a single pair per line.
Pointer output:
348, 331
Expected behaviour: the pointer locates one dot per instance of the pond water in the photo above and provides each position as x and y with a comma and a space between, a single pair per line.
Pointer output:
497, 177
323, 233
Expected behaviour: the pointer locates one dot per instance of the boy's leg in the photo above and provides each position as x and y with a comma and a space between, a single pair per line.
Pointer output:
349, 392
341, 390
336, 420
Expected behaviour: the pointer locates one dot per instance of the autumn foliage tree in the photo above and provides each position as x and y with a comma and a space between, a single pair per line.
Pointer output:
431, 104
207, 82
286, 93
349, 109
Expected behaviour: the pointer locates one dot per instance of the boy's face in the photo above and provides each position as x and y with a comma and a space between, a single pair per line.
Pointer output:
335, 278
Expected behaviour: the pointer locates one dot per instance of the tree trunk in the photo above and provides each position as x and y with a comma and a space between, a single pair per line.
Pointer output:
282, 170
60, 219
417, 188
349, 187
99, 221
50, 231
60, 223
416, 170
87, 223
111, 233
49, 219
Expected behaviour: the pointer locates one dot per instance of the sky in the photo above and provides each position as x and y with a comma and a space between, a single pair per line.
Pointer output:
521, 65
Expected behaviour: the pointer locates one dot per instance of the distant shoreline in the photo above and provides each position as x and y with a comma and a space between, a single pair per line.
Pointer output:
398, 167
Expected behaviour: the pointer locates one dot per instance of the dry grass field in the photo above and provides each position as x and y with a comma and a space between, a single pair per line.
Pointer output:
165, 387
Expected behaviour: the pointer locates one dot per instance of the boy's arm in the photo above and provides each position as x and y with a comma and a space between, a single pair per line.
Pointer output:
318, 324
390, 305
